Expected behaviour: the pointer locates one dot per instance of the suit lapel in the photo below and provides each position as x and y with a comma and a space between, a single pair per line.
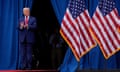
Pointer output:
29, 20
24, 19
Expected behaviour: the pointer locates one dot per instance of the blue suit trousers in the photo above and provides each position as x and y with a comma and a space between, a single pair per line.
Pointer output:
25, 51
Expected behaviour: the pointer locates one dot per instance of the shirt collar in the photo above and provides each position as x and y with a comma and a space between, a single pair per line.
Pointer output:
28, 17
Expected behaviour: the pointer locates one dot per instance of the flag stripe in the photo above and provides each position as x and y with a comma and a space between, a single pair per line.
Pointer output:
75, 28
70, 35
85, 34
82, 30
111, 32
107, 35
113, 20
104, 29
96, 34
113, 27
86, 23
82, 47
87, 17
102, 32
115, 15
114, 33
69, 43
71, 22
102, 38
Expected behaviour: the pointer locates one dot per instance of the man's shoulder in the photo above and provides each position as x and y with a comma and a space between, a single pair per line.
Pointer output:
32, 17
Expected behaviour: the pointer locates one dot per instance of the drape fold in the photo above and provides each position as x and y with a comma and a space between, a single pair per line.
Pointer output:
10, 11
93, 59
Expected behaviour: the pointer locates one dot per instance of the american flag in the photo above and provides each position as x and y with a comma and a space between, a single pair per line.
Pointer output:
75, 28
103, 27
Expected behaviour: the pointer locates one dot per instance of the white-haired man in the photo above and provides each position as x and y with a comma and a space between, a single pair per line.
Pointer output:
26, 26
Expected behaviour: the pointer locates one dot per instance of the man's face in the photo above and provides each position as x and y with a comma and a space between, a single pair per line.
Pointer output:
26, 12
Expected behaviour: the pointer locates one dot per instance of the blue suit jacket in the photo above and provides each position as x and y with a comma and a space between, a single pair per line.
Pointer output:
27, 34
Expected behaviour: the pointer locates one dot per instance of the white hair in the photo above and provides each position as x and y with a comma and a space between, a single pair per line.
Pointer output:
26, 8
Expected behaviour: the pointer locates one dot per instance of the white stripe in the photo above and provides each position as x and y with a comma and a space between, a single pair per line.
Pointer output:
74, 23
86, 11
81, 50
86, 34
71, 18
84, 18
72, 30
113, 27
84, 30
70, 38
109, 31
81, 37
103, 32
102, 29
99, 36
83, 43
114, 16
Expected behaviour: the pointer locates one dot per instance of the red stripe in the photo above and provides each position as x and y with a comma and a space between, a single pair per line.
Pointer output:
95, 24
88, 19
81, 33
113, 20
71, 33
70, 43
106, 31
86, 28
82, 47
116, 13
98, 40
70, 21
87, 16
96, 14
115, 36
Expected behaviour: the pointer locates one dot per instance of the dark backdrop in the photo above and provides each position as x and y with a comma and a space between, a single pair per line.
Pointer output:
46, 24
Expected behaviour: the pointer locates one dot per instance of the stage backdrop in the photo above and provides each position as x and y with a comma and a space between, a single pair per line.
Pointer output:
10, 11
92, 60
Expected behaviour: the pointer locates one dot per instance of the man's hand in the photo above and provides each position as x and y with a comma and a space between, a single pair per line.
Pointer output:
26, 26
21, 25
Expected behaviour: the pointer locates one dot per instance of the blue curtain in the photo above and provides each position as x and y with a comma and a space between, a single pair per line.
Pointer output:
59, 7
69, 64
92, 60
118, 5
10, 11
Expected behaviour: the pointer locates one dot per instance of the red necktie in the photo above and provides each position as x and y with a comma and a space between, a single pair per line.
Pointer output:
26, 20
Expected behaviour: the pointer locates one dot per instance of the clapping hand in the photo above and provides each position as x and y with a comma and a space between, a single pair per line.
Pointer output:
26, 26
21, 25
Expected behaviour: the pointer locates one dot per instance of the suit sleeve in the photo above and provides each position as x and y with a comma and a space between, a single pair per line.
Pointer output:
33, 25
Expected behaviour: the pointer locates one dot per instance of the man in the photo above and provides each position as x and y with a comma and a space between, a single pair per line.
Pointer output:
27, 25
